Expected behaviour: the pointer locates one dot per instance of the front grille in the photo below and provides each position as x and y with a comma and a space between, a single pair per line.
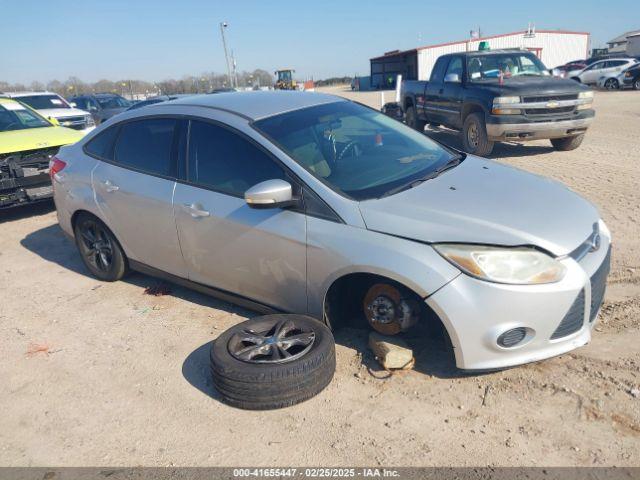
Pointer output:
549, 98
599, 285
77, 123
573, 320
549, 111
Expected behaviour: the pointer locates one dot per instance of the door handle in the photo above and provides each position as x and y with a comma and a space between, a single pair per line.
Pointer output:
195, 210
110, 187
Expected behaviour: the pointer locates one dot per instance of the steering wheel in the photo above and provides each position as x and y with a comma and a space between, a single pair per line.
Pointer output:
349, 146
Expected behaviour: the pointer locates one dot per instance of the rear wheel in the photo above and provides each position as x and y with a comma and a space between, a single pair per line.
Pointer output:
413, 121
636, 84
611, 84
568, 143
99, 249
474, 135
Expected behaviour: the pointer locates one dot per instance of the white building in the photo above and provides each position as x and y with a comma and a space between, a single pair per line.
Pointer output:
553, 47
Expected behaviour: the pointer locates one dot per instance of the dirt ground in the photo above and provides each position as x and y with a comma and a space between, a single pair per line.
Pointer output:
101, 374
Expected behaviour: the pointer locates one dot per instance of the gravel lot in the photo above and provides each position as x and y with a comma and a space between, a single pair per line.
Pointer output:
101, 374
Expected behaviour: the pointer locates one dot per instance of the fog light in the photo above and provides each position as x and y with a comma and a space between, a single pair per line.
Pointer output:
512, 337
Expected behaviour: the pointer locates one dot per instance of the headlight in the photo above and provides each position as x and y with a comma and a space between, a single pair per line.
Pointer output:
503, 100
518, 265
587, 94
90, 122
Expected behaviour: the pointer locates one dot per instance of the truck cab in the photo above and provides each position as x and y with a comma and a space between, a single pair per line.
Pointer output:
501, 95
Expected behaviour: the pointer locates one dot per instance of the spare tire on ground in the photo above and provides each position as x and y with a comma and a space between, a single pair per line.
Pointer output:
273, 361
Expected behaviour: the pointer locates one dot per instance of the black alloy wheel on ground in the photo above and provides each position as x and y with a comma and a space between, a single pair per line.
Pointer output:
99, 249
273, 361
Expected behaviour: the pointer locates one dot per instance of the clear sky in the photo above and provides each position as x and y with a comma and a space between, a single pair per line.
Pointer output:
158, 39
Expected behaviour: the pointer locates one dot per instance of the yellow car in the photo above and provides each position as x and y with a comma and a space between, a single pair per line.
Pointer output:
27, 143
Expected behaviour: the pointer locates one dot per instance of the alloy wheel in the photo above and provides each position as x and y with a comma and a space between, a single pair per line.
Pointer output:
97, 246
283, 342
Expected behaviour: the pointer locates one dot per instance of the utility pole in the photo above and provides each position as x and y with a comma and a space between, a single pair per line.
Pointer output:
224, 25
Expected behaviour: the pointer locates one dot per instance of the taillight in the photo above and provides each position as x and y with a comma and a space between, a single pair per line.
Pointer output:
55, 166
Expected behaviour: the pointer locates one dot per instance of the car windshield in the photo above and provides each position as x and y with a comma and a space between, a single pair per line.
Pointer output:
113, 102
14, 116
355, 150
489, 67
42, 102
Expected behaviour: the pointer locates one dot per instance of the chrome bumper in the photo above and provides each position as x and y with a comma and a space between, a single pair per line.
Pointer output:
538, 130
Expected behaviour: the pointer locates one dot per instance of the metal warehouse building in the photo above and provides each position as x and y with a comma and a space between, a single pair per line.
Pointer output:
553, 47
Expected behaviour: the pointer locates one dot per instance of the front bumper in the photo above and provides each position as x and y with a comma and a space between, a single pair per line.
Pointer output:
536, 130
475, 313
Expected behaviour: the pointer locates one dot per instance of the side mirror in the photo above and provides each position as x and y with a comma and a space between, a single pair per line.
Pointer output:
54, 121
73, 104
452, 78
270, 194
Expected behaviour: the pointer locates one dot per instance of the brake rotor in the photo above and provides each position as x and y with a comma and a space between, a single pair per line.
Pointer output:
388, 311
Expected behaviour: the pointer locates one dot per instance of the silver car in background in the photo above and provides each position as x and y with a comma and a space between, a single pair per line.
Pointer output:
313, 204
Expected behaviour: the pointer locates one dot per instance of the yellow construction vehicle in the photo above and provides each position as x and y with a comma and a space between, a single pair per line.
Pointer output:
285, 79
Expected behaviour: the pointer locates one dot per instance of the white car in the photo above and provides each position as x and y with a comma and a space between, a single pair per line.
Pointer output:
610, 68
53, 106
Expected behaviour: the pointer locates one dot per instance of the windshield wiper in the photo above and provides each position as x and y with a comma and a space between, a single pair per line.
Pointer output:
451, 163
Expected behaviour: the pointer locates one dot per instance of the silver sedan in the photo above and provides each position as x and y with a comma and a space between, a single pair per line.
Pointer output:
309, 203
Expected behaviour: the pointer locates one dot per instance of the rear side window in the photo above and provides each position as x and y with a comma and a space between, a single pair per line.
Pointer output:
101, 145
147, 145
224, 161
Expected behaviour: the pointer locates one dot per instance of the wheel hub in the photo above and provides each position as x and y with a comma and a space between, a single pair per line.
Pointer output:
382, 310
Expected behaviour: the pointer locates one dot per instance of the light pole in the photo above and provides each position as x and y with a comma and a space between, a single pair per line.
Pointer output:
224, 25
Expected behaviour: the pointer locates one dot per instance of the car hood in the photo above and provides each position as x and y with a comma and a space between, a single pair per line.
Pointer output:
533, 86
33, 138
58, 113
482, 201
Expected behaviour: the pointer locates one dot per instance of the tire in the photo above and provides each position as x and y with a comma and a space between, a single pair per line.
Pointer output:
474, 136
413, 121
567, 143
100, 251
576, 79
636, 84
253, 380
611, 84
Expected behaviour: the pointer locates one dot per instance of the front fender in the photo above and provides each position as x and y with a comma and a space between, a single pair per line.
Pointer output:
335, 250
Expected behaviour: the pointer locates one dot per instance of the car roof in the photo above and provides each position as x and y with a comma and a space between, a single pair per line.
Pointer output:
474, 53
29, 94
255, 105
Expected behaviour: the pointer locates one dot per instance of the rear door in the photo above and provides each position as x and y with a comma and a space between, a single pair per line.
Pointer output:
257, 254
134, 191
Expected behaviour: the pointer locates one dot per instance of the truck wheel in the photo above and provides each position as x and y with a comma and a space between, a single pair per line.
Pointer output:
99, 249
474, 135
413, 121
273, 361
567, 143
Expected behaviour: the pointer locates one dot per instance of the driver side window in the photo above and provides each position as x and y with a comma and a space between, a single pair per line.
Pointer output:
224, 161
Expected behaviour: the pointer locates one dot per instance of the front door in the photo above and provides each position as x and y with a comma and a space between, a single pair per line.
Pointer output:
259, 254
452, 94
135, 193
